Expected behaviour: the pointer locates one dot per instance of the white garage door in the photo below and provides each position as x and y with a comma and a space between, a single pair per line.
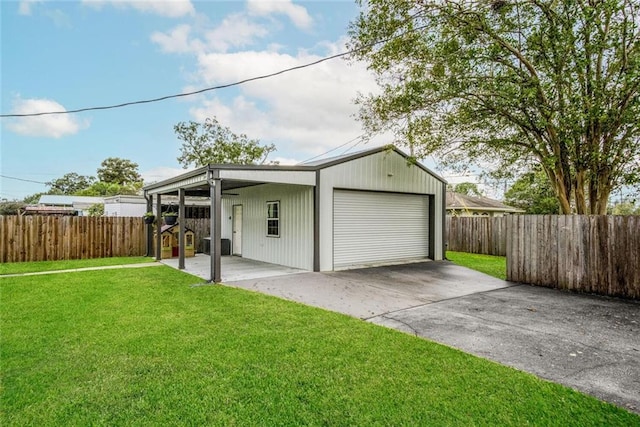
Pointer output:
371, 227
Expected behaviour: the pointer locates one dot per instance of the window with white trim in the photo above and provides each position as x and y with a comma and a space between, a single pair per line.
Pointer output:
273, 219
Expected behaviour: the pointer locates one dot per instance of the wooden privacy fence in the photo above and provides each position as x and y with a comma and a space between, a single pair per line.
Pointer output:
480, 235
45, 238
200, 227
594, 254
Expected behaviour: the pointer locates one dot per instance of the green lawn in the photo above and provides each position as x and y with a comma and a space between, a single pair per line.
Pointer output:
33, 267
146, 347
495, 266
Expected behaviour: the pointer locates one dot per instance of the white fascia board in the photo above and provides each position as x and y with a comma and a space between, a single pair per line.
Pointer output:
192, 181
271, 176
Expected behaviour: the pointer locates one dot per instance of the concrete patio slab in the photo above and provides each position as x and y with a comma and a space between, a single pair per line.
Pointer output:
233, 268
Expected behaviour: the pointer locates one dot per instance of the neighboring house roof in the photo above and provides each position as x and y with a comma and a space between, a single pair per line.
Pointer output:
125, 198
464, 202
64, 200
49, 210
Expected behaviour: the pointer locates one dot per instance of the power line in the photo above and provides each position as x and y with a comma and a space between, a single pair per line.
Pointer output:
354, 145
238, 83
22, 179
180, 95
333, 149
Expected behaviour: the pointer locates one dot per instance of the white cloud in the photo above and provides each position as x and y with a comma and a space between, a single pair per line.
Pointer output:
168, 8
235, 30
25, 6
308, 110
177, 40
52, 126
304, 112
296, 13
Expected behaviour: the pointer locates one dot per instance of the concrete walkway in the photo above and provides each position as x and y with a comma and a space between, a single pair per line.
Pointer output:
589, 343
73, 270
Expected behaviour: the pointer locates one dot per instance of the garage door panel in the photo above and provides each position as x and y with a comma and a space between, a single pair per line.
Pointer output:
373, 227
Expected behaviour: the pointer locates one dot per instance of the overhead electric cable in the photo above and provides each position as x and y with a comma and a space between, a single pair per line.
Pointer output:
22, 179
333, 149
208, 89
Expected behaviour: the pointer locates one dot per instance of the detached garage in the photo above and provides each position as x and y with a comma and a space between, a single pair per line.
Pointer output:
362, 209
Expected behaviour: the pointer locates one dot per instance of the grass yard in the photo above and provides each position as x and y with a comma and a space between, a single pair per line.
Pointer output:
495, 266
145, 347
33, 267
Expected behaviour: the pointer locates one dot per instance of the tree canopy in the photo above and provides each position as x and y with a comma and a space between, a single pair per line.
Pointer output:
69, 183
115, 176
511, 83
532, 192
115, 170
210, 142
467, 188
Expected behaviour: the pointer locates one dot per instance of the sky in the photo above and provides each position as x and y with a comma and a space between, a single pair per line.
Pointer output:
66, 55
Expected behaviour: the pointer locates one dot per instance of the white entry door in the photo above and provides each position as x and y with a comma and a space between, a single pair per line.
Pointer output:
236, 242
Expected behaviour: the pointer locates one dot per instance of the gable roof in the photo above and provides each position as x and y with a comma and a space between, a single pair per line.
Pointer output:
200, 173
65, 200
336, 160
462, 201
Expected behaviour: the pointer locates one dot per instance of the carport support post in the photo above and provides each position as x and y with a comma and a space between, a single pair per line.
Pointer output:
149, 227
181, 225
215, 189
158, 227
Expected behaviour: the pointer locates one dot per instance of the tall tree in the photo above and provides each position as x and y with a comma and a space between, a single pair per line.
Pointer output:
69, 183
115, 170
468, 188
210, 142
510, 82
101, 188
624, 208
32, 199
533, 192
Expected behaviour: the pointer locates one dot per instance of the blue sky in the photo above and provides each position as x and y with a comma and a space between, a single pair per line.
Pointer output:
63, 55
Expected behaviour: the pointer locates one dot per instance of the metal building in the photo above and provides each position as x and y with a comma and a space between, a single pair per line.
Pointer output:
361, 209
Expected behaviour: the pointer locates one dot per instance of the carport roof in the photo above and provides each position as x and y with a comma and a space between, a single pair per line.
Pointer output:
196, 182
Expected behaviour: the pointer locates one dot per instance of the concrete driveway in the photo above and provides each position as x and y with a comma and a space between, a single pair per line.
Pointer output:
586, 342
370, 292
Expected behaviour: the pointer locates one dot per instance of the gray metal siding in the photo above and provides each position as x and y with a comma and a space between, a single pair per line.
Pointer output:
382, 171
374, 227
294, 247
